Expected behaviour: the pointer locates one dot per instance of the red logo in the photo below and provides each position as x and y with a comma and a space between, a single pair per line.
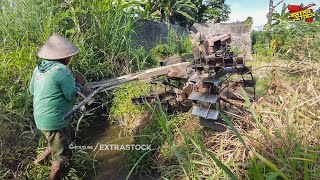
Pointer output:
298, 12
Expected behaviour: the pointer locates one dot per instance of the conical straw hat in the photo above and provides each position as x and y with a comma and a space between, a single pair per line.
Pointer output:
57, 47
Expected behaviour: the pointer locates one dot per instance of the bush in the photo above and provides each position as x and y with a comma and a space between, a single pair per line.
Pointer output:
299, 41
291, 41
176, 44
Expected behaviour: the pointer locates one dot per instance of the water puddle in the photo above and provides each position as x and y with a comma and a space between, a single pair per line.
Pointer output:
113, 161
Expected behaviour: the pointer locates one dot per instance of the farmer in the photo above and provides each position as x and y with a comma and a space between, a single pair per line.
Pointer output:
54, 92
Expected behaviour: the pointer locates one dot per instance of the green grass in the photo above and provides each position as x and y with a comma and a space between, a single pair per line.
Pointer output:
176, 44
17, 145
122, 109
104, 34
183, 159
277, 140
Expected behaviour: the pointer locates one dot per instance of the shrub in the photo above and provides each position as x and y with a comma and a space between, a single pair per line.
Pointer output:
298, 41
176, 44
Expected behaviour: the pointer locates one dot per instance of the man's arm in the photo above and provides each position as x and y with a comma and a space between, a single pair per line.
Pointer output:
69, 88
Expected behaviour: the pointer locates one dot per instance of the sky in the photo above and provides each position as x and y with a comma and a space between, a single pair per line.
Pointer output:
257, 9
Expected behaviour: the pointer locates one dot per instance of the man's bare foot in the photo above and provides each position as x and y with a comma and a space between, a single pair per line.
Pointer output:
42, 156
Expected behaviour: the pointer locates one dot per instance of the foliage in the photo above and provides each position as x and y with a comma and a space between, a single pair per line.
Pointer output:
300, 159
169, 10
123, 110
177, 44
182, 159
298, 41
105, 42
176, 121
185, 12
16, 146
248, 22
257, 37
282, 17
260, 49
270, 155
151, 134
212, 10
157, 132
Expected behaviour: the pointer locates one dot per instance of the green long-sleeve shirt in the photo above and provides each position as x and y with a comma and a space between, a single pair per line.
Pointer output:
54, 92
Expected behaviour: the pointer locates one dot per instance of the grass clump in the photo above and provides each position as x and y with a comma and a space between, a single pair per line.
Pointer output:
17, 144
141, 162
177, 44
123, 110
171, 159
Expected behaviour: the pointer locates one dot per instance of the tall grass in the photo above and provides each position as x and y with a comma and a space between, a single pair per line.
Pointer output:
278, 139
102, 30
176, 44
289, 147
184, 159
16, 145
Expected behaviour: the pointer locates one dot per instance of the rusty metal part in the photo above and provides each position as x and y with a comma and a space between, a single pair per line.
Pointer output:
219, 72
213, 66
212, 81
176, 70
152, 97
175, 60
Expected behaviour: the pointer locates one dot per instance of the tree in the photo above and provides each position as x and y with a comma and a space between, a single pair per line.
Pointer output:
282, 17
168, 10
215, 10
269, 17
208, 10
248, 22
185, 12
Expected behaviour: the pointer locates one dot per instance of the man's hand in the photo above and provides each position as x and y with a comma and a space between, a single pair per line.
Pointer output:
79, 79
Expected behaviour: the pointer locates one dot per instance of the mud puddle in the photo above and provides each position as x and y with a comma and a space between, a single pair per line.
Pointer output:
113, 162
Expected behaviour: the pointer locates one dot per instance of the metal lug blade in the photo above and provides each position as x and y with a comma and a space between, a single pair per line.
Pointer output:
203, 97
205, 113
216, 82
